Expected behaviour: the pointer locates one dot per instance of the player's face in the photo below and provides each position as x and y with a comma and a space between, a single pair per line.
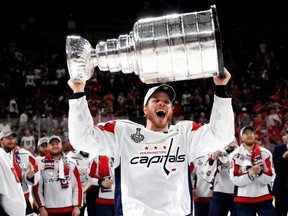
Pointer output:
248, 137
55, 147
8, 143
159, 110
43, 149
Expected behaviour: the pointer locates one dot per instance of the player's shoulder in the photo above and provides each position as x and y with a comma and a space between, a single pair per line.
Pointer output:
235, 153
2, 151
23, 151
119, 122
265, 150
183, 123
71, 161
72, 153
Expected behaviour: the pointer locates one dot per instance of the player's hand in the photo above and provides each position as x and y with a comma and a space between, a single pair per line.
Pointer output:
76, 211
76, 86
224, 80
107, 183
256, 169
30, 172
43, 211
285, 155
216, 154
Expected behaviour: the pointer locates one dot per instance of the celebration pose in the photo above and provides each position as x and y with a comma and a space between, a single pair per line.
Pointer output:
152, 163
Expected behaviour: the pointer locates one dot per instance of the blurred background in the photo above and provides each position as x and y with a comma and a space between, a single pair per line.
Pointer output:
33, 70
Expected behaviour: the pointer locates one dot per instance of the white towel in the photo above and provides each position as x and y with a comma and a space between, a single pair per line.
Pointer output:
61, 169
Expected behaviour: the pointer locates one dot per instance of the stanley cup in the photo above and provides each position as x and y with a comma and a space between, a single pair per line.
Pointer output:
163, 49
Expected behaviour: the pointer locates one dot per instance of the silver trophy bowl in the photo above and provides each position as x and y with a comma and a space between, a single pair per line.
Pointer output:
163, 49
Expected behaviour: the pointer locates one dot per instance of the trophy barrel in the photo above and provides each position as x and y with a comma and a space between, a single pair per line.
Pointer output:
163, 49
178, 47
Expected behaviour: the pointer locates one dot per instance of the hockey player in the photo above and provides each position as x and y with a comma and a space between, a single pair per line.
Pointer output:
152, 163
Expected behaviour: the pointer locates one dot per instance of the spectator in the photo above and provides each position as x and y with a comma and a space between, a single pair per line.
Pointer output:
186, 102
5, 124
108, 99
177, 112
203, 118
244, 118
23, 119
28, 141
13, 111
258, 107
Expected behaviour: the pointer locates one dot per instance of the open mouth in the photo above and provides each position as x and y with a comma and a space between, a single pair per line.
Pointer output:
161, 113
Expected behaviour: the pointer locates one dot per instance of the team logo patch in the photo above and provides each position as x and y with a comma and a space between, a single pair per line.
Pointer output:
64, 182
137, 137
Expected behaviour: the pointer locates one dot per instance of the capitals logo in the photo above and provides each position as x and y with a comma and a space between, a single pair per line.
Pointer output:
160, 159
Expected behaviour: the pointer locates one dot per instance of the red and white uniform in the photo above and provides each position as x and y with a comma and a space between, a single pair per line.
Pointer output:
217, 173
59, 189
11, 193
200, 186
101, 168
144, 157
82, 164
256, 188
26, 161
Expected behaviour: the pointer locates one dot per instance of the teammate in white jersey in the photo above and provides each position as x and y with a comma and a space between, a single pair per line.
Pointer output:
24, 163
202, 193
217, 174
152, 163
42, 147
59, 191
12, 201
252, 172
81, 160
101, 178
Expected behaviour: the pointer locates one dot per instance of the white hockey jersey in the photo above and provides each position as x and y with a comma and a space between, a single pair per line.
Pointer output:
101, 168
251, 189
151, 168
217, 174
200, 186
11, 193
25, 160
82, 164
59, 188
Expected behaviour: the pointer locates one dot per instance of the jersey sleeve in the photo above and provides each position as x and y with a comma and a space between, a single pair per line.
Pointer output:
215, 135
83, 135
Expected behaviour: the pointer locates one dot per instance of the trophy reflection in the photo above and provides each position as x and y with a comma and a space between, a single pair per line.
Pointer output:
163, 49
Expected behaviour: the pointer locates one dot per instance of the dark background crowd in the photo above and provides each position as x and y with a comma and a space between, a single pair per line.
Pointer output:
33, 70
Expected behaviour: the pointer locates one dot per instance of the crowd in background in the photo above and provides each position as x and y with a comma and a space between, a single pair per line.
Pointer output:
34, 91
